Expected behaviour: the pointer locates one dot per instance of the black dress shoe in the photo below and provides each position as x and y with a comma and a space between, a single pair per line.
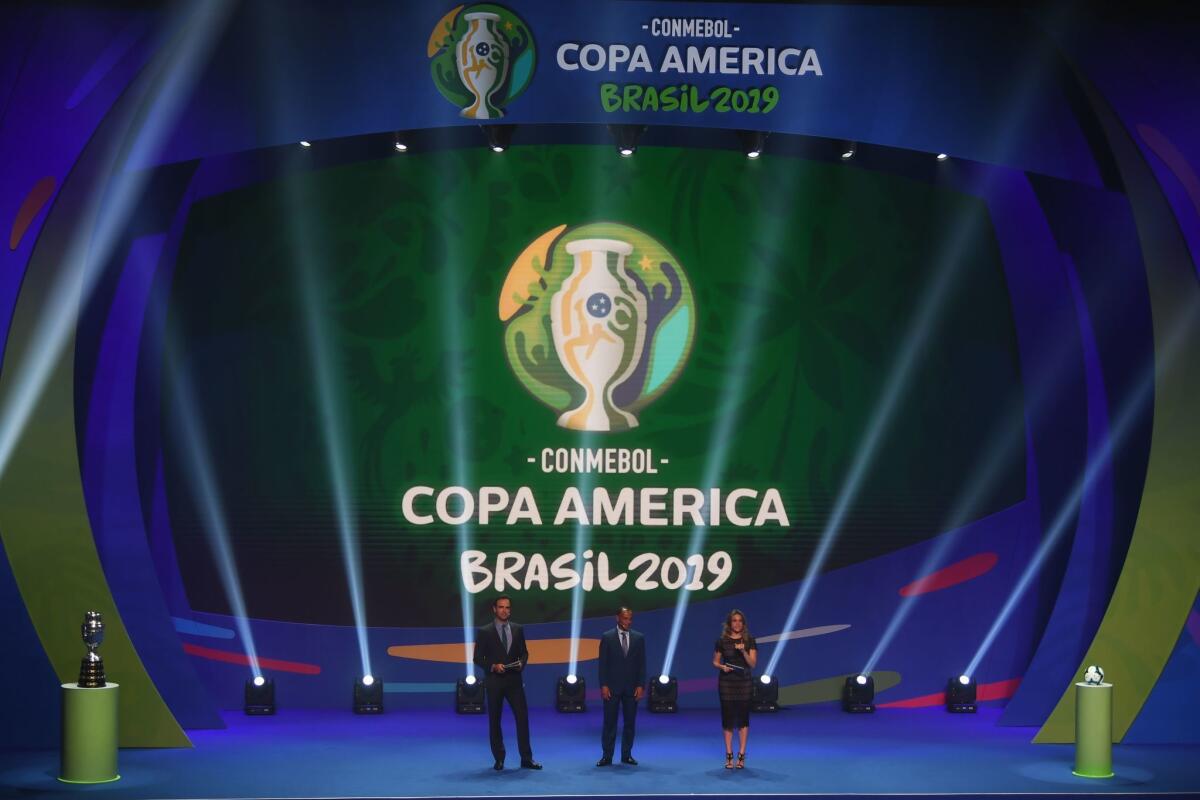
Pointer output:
499, 765
530, 764
630, 760
606, 761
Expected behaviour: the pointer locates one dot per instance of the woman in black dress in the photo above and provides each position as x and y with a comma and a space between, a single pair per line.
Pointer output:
735, 655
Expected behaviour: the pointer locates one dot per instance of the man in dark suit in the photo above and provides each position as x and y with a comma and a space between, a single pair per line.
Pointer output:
622, 678
501, 653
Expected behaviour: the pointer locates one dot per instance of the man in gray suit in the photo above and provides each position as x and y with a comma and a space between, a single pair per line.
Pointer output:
622, 681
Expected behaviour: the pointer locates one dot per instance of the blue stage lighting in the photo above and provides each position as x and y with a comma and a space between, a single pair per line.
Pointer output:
858, 694
570, 695
960, 695
329, 407
203, 485
260, 696
112, 205
899, 376
664, 696
765, 695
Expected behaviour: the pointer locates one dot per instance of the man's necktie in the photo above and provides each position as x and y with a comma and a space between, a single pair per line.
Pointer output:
624, 643
504, 637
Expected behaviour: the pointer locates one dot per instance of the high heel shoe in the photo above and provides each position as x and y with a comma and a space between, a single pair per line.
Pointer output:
729, 761
741, 761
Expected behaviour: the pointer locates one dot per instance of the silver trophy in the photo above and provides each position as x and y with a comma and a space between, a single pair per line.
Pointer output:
91, 667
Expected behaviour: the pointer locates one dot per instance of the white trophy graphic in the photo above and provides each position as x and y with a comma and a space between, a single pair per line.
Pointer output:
599, 324
482, 59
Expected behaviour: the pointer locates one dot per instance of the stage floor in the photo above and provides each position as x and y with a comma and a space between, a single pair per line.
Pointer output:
812, 751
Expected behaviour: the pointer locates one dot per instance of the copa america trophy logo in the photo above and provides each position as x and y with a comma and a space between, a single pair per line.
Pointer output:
482, 58
599, 320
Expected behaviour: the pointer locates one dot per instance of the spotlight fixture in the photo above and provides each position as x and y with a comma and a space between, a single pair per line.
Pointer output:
960, 695
664, 695
398, 143
858, 694
368, 695
753, 142
765, 695
305, 143
498, 136
943, 156
260, 696
570, 694
627, 137
848, 150
468, 696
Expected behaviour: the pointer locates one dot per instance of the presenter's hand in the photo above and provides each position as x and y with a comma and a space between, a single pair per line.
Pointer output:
637, 694
606, 693
739, 646
498, 669
726, 668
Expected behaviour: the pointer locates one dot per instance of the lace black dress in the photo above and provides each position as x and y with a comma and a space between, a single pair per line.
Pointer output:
736, 686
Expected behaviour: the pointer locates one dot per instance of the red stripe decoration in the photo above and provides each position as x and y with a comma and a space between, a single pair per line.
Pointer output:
274, 664
42, 191
999, 690
952, 575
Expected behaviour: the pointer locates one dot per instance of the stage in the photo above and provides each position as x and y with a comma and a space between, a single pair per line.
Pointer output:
808, 751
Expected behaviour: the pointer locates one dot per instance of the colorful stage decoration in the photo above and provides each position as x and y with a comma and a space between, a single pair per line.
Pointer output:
584, 380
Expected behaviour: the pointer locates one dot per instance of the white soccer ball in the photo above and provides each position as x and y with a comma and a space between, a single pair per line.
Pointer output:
1093, 675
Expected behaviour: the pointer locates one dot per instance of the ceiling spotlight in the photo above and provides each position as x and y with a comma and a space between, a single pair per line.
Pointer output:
753, 142
964, 679
848, 150
368, 680
305, 143
498, 136
469, 680
259, 680
943, 156
664, 679
572, 678
861, 680
398, 143
627, 137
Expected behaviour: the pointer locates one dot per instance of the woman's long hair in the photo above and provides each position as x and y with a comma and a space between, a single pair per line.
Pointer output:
727, 628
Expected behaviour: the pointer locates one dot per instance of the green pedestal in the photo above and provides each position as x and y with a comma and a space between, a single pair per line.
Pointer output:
89, 734
1093, 730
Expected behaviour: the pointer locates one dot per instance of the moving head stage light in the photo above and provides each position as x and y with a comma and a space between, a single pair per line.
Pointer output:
858, 694
368, 695
664, 695
960, 695
765, 696
468, 695
570, 694
260, 696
